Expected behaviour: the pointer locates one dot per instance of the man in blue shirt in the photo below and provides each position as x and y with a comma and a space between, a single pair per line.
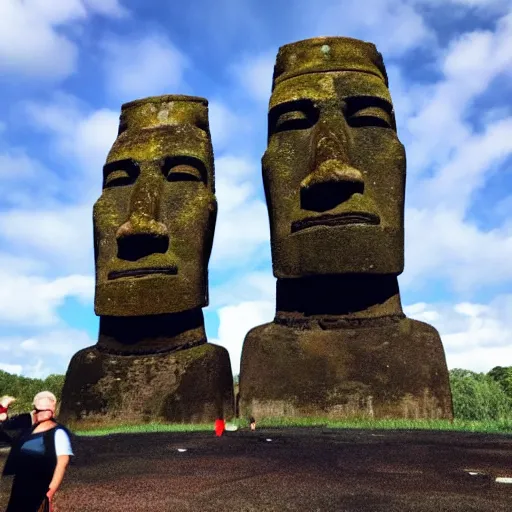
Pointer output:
39, 455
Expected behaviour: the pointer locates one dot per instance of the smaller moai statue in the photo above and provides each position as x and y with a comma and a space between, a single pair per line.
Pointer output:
153, 232
340, 345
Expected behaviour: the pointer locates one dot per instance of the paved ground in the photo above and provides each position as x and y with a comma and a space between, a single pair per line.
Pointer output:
290, 469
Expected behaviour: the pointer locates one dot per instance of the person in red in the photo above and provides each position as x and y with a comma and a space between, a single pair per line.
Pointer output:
39, 456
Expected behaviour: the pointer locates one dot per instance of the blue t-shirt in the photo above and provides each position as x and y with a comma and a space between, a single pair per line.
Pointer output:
35, 446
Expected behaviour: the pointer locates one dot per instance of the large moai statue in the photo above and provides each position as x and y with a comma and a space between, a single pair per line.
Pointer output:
153, 234
340, 345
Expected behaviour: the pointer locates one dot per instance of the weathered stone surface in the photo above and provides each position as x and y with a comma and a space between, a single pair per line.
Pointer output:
334, 168
153, 234
155, 219
364, 371
334, 179
184, 386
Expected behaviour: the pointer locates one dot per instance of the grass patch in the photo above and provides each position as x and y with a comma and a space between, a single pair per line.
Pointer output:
503, 426
142, 429
490, 427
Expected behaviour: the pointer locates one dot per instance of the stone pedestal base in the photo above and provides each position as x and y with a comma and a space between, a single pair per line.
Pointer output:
396, 370
193, 385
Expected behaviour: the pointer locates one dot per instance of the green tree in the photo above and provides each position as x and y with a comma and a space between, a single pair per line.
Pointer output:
24, 389
54, 383
503, 376
478, 397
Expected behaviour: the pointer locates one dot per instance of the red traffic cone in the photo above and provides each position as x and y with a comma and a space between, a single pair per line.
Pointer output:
220, 425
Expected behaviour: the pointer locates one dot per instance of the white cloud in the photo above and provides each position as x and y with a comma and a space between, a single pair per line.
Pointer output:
475, 336
470, 65
236, 321
82, 137
255, 75
62, 235
43, 354
252, 286
223, 124
34, 301
21, 264
28, 44
107, 7
30, 38
466, 171
493, 6
449, 161
56, 12
78, 132
242, 303
62, 343
91, 141
11, 368
395, 26
24, 180
440, 244
150, 66
47, 216
242, 225
18, 166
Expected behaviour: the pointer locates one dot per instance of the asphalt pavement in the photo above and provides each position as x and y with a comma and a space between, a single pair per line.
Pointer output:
293, 469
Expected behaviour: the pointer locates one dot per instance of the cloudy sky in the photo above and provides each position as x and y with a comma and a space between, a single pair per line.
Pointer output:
66, 66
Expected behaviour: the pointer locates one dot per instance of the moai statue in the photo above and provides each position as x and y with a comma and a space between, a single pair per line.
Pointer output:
153, 234
340, 345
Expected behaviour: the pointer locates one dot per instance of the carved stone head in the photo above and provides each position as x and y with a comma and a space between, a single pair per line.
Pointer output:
155, 218
334, 169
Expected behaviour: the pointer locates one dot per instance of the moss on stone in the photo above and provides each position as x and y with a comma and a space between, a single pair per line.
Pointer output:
187, 386
153, 233
334, 179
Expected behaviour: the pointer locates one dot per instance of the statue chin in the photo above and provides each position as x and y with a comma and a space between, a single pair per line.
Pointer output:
156, 294
317, 251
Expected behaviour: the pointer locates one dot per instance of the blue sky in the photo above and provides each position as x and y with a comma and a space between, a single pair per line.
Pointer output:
66, 66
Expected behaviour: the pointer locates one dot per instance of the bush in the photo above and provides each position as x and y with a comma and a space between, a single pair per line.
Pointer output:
477, 396
503, 376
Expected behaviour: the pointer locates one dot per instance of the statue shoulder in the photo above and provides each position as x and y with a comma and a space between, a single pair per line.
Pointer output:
420, 328
261, 330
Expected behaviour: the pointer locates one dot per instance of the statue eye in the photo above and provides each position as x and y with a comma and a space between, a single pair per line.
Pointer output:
371, 116
184, 172
184, 168
294, 120
118, 178
292, 115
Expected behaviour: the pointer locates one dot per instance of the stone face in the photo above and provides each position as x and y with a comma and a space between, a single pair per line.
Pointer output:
334, 169
334, 179
153, 234
155, 218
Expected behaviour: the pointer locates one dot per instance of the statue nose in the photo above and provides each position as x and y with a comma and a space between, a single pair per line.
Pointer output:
332, 183
143, 234
332, 180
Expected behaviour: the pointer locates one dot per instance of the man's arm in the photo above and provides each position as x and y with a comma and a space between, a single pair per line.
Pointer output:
18, 422
58, 475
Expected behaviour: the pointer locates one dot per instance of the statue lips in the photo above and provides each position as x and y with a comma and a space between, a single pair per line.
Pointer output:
340, 219
141, 272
